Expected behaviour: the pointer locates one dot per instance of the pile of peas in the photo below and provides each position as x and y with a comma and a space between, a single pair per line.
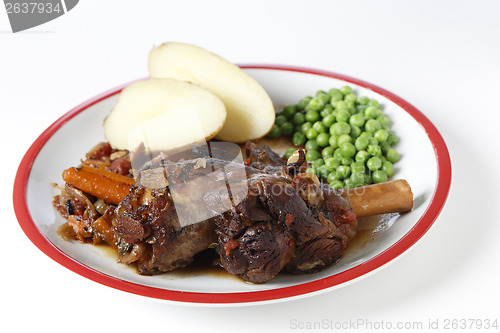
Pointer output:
347, 138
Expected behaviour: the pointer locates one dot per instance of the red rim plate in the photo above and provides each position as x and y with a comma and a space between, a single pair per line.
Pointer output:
420, 228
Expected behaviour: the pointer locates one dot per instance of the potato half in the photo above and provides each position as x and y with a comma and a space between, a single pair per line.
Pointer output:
250, 111
163, 114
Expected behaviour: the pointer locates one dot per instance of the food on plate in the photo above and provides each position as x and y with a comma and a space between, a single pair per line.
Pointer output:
171, 182
348, 138
163, 114
250, 111
275, 218
100, 183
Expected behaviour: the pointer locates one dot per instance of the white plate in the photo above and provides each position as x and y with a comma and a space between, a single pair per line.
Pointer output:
424, 163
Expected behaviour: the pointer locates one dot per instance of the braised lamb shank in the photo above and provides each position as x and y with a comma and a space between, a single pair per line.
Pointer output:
273, 218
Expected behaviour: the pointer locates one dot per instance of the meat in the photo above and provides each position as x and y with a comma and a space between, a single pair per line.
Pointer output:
162, 228
260, 215
292, 224
147, 223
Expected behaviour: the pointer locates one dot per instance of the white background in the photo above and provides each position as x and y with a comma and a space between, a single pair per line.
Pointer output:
441, 56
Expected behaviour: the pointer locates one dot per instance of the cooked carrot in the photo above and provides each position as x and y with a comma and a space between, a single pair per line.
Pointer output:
110, 188
103, 228
109, 174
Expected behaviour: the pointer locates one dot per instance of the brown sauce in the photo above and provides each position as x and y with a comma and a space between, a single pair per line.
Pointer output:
369, 229
204, 264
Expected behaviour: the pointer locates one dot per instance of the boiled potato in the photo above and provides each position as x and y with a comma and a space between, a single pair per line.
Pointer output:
163, 114
250, 112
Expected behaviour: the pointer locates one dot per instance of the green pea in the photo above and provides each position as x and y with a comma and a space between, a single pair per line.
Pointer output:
311, 170
374, 102
274, 133
289, 152
301, 105
372, 112
311, 134
366, 134
299, 118
347, 149
333, 141
392, 155
343, 171
358, 167
392, 139
355, 131
338, 154
315, 104
363, 100
320, 127
372, 141
357, 179
345, 90
347, 161
329, 120
289, 111
343, 115
368, 179
298, 139
334, 91
323, 113
372, 125
340, 128
327, 152
374, 150
374, 163
384, 146
332, 176
351, 97
384, 121
287, 129
388, 168
332, 163
357, 119
361, 142
381, 135
362, 156
305, 126
312, 116
328, 108
379, 176
344, 138
322, 139
350, 105
336, 184
322, 95
322, 172
361, 108
311, 145
335, 97
280, 120
312, 155
347, 183
318, 162
340, 104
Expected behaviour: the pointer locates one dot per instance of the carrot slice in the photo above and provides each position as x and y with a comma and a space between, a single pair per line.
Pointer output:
103, 184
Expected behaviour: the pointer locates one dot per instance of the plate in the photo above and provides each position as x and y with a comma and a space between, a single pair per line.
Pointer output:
424, 163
